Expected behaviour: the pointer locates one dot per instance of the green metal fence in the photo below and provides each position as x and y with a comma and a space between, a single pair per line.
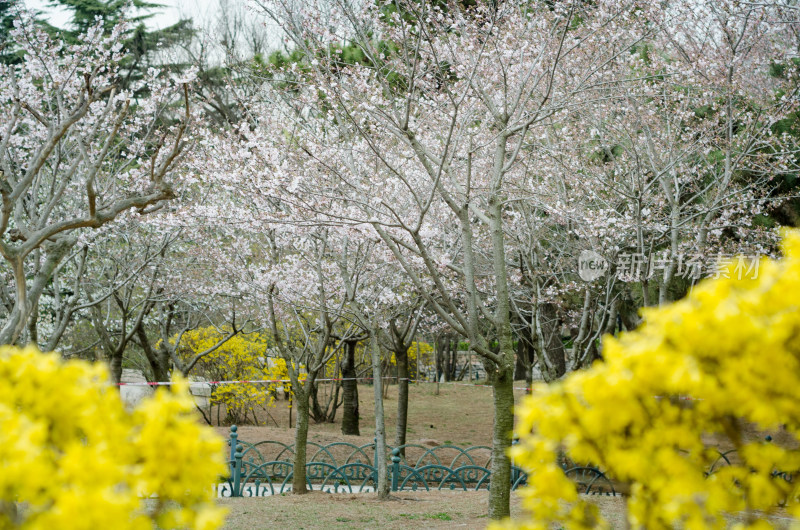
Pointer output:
266, 468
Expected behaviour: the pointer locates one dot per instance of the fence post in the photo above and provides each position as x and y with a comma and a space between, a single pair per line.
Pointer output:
395, 468
233, 443
375, 461
514, 472
237, 471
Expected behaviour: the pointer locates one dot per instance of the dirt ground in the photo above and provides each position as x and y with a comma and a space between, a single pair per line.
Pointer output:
460, 415
435, 509
441, 509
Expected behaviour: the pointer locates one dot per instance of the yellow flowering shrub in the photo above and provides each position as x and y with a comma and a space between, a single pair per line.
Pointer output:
726, 356
242, 358
71, 456
426, 357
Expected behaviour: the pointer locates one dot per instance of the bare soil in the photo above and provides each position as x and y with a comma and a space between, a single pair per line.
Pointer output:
440, 509
460, 415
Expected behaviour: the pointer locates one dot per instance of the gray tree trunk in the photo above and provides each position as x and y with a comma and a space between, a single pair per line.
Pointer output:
553, 346
382, 487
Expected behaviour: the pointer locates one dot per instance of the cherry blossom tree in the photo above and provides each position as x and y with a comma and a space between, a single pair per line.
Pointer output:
675, 170
76, 152
431, 127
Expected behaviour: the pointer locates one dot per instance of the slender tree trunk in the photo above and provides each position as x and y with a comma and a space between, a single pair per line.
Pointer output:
553, 347
299, 486
437, 360
382, 487
349, 392
318, 414
33, 325
402, 398
523, 369
15, 322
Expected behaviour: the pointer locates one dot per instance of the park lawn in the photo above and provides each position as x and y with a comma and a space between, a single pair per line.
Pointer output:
461, 415
444, 509
435, 509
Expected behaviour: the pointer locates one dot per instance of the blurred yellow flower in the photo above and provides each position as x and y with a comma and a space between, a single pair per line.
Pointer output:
727, 355
71, 456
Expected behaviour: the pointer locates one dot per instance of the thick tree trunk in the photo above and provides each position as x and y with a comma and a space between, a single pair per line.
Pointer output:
158, 359
503, 378
299, 486
402, 398
115, 365
349, 391
500, 491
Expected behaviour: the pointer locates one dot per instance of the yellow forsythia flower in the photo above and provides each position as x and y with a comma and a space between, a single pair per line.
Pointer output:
72, 457
726, 355
241, 358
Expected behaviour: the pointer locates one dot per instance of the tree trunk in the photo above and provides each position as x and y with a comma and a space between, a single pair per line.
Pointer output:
158, 359
115, 365
500, 491
523, 369
27, 297
349, 391
299, 486
503, 378
382, 487
402, 398
318, 414
552, 347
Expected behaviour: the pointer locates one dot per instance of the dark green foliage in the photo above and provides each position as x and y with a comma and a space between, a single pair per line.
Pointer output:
86, 12
7, 14
140, 44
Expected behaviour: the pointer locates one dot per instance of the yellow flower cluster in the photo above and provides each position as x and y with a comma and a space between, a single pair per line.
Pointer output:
726, 356
241, 358
426, 357
71, 456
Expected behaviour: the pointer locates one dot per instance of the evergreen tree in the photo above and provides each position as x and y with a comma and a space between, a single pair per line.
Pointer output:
141, 44
7, 13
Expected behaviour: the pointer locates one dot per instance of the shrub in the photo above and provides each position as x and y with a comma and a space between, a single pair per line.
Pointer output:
726, 356
241, 358
73, 457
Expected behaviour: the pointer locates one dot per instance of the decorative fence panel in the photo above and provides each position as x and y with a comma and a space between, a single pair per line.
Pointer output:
266, 468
